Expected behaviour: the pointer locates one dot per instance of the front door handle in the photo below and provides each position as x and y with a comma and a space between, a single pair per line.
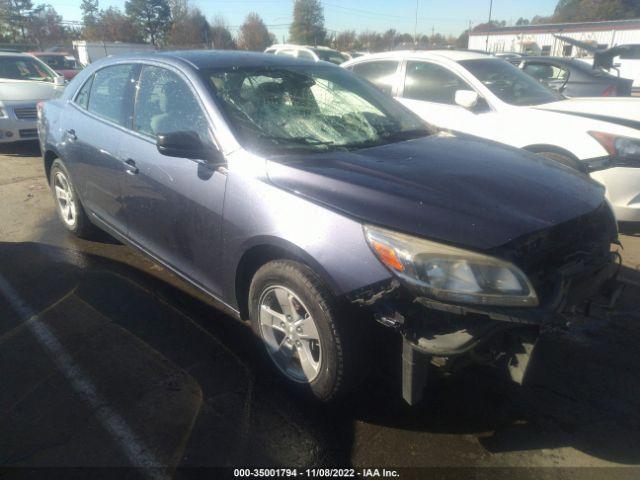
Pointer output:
71, 133
130, 166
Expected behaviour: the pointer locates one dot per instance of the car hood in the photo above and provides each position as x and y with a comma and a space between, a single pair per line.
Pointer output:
463, 191
620, 110
19, 90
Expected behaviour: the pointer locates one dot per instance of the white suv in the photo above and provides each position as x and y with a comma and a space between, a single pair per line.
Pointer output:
488, 97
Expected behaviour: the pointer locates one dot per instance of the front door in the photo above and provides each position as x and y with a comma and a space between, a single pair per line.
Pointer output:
173, 205
430, 89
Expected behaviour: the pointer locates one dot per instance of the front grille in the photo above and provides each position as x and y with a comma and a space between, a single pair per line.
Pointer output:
26, 113
28, 133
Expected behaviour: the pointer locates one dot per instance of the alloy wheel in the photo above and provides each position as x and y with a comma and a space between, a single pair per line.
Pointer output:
290, 334
64, 197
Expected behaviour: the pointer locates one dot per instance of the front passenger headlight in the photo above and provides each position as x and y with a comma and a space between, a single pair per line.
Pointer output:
451, 274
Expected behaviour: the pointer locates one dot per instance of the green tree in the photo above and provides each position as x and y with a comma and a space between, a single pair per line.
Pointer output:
307, 27
14, 16
114, 26
463, 40
90, 11
152, 17
190, 29
254, 34
45, 27
594, 10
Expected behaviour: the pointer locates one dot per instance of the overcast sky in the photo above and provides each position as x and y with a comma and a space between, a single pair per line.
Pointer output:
445, 16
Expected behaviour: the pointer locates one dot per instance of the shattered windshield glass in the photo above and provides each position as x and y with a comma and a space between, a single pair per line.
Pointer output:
280, 109
509, 83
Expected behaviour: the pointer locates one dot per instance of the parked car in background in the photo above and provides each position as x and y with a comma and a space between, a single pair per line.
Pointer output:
622, 60
574, 78
306, 52
490, 98
24, 81
63, 63
311, 204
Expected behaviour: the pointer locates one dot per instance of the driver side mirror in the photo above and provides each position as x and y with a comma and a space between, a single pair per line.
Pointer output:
467, 98
186, 144
59, 81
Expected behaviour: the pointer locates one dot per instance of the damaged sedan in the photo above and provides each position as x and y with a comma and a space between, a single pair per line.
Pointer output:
311, 205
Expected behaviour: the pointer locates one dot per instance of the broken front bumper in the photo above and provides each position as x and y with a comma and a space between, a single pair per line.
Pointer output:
452, 335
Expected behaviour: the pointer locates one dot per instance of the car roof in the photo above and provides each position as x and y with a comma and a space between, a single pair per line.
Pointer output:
454, 55
13, 54
205, 59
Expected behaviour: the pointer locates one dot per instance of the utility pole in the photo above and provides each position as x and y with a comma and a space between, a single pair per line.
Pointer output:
415, 26
486, 47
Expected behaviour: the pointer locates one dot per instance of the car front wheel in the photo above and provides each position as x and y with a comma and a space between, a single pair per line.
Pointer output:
307, 335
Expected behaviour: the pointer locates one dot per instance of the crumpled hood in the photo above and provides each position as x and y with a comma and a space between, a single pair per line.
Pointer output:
19, 90
613, 109
462, 191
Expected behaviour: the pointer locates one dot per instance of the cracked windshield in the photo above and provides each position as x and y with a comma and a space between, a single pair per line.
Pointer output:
311, 108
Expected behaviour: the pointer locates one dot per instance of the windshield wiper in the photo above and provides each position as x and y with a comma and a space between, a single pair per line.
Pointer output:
296, 140
406, 134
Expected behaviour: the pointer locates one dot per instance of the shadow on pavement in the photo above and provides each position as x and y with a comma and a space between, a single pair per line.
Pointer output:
20, 149
196, 388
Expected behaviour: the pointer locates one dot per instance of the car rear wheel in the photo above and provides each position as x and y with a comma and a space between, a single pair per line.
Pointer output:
304, 329
68, 204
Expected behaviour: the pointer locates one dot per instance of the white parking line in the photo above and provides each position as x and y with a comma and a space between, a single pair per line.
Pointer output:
138, 454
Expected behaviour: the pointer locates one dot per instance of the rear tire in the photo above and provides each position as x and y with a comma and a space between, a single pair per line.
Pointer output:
300, 321
68, 205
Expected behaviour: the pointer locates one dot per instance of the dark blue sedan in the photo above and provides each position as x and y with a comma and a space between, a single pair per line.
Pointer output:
310, 205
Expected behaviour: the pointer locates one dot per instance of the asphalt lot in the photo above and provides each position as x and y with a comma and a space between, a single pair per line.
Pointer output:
108, 360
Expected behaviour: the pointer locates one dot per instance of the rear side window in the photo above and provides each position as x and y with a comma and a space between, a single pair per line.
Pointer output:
110, 95
82, 98
545, 72
166, 104
382, 74
432, 83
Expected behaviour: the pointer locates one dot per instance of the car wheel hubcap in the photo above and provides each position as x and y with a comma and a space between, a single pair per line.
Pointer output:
64, 197
290, 334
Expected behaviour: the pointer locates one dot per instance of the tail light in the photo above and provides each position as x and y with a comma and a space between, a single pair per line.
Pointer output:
611, 91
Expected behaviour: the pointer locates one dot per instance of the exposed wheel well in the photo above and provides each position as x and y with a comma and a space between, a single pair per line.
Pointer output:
49, 158
572, 160
251, 261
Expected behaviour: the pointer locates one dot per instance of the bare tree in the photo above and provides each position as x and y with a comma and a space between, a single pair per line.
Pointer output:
221, 35
190, 29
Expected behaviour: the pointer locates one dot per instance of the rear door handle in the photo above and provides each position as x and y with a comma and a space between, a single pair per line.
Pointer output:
130, 166
71, 133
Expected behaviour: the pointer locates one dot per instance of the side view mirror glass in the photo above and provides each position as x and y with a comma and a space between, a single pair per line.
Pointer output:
466, 98
186, 144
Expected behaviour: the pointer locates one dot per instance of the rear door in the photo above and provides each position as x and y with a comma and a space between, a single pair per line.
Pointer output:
173, 205
95, 131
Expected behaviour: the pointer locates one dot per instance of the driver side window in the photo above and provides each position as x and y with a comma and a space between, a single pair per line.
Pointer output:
432, 83
166, 104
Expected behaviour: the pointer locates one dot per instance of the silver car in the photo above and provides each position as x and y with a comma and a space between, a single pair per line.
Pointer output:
24, 81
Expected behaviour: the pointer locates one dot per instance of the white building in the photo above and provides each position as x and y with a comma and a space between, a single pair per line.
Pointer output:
541, 39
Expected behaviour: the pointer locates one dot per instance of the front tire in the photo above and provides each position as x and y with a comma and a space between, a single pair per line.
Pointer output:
304, 329
68, 206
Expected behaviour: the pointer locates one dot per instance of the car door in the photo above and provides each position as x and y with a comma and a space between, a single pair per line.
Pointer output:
95, 129
429, 90
173, 205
